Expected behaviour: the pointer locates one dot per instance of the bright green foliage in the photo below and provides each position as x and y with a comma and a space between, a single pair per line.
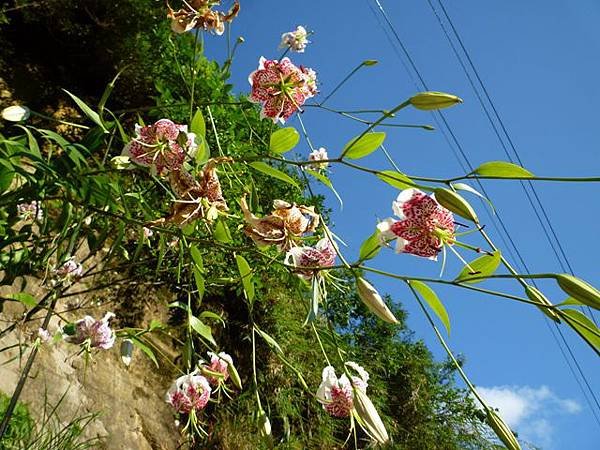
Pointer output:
72, 177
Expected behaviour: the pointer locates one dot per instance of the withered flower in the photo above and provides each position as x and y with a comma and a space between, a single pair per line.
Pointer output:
199, 14
286, 222
197, 198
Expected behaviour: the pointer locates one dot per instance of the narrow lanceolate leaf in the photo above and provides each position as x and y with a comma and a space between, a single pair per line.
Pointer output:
269, 340
396, 179
579, 290
584, 326
455, 203
361, 146
198, 125
502, 169
480, 268
246, 275
221, 232
472, 190
433, 301
284, 140
326, 181
25, 298
370, 247
89, 112
202, 329
272, 172
146, 349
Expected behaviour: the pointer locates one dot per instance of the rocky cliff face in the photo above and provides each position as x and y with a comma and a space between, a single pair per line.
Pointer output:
134, 415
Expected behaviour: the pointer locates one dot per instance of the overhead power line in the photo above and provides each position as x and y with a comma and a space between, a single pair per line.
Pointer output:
460, 151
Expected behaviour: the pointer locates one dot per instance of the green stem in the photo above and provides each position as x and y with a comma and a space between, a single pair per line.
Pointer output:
447, 349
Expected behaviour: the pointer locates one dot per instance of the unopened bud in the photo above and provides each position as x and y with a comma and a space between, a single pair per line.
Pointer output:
369, 62
428, 101
264, 423
579, 290
234, 375
370, 297
502, 430
369, 418
537, 296
126, 351
16, 113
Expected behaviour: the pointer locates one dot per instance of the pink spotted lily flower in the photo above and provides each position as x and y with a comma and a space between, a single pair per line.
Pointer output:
189, 393
95, 333
336, 394
424, 226
30, 211
281, 88
162, 146
219, 363
68, 271
295, 40
323, 254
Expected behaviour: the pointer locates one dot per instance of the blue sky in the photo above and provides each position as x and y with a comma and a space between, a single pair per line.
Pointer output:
539, 62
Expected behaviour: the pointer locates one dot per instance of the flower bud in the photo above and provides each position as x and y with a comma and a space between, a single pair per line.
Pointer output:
537, 296
16, 113
369, 62
69, 329
234, 375
579, 290
370, 297
502, 430
427, 101
264, 423
126, 351
369, 417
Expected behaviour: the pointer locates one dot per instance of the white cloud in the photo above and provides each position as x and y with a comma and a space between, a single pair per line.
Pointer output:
529, 410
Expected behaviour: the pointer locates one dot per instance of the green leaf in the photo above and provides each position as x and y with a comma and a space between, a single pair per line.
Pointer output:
25, 298
433, 301
155, 325
6, 177
502, 169
33, 145
361, 146
201, 328
272, 172
370, 247
326, 181
211, 315
483, 266
92, 115
196, 256
143, 347
221, 232
583, 326
198, 125
246, 275
396, 179
472, 190
198, 269
455, 203
283, 140
106, 94
269, 340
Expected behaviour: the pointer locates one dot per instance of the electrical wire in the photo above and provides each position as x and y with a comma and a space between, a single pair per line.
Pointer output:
498, 217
